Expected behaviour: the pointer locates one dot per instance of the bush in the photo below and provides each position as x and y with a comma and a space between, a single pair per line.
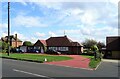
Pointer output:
4, 51
87, 52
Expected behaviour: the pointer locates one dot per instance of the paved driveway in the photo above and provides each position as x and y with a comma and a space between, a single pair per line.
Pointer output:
77, 62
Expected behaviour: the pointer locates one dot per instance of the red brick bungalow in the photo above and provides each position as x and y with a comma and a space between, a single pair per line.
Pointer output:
64, 45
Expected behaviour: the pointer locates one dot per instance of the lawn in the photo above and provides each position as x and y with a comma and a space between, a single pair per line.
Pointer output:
36, 57
93, 63
88, 56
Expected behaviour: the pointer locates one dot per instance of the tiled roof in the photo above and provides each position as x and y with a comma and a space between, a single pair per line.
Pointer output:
43, 42
61, 41
76, 44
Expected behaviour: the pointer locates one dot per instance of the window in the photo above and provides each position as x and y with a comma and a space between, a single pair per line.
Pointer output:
35, 47
59, 48
50, 48
66, 48
63, 48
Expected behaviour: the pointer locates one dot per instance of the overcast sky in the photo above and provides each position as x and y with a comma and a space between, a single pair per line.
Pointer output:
79, 20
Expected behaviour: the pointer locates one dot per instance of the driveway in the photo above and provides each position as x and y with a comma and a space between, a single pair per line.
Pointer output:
77, 62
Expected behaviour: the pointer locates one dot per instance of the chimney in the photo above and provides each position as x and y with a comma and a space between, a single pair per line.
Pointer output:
15, 40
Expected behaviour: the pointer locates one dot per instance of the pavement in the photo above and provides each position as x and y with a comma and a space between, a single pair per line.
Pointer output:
77, 62
110, 60
17, 68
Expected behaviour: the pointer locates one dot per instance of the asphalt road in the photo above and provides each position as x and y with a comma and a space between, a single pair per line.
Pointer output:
16, 68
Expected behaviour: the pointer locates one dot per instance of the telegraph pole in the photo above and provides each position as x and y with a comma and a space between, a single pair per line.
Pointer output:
8, 28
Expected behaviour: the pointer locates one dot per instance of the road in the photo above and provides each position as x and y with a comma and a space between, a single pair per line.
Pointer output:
16, 68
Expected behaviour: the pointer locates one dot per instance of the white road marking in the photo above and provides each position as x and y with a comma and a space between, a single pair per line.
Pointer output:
31, 73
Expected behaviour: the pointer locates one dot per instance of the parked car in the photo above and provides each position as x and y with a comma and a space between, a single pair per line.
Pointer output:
33, 51
16, 50
53, 52
36, 51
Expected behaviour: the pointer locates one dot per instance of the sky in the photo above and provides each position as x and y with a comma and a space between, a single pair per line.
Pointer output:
78, 20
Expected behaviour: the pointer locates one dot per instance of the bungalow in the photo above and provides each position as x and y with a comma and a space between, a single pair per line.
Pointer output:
64, 45
113, 46
40, 45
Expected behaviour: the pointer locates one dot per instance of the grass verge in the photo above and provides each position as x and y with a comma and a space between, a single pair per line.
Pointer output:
35, 57
93, 63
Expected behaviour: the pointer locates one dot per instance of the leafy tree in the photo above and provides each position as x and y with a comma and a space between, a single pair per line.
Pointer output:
100, 45
0, 43
94, 48
0, 46
89, 42
97, 54
4, 46
27, 43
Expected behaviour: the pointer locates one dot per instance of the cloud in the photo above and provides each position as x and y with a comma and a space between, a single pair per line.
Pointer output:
4, 25
23, 2
25, 38
3, 29
33, 39
97, 33
20, 35
40, 34
28, 21
81, 20
3, 34
52, 34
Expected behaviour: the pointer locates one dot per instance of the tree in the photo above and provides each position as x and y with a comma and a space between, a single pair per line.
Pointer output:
89, 42
95, 49
100, 45
27, 43
4, 46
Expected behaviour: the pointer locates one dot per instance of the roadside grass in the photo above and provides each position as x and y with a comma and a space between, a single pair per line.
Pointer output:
87, 56
93, 63
35, 57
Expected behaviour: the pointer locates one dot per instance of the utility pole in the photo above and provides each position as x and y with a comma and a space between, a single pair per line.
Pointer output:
8, 28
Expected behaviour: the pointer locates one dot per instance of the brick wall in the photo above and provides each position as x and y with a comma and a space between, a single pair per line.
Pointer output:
18, 44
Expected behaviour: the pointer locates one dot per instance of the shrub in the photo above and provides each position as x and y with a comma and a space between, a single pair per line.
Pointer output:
88, 52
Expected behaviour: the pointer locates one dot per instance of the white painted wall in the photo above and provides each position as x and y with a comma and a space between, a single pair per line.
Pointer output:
23, 48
